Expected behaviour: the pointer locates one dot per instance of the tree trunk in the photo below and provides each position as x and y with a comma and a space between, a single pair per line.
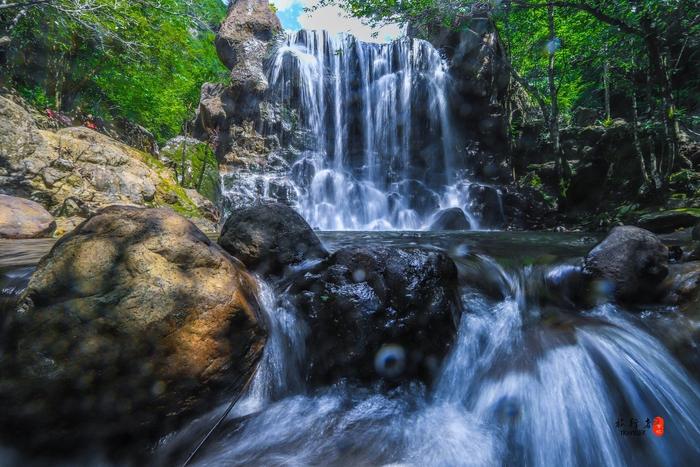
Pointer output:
561, 164
637, 141
606, 86
653, 162
201, 173
183, 158
661, 78
58, 85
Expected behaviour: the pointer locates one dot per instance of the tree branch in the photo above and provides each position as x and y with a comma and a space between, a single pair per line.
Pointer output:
596, 13
6, 6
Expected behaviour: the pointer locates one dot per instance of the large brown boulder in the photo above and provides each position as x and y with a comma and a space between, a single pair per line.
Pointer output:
629, 264
379, 314
23, 218
133, 321
269, 238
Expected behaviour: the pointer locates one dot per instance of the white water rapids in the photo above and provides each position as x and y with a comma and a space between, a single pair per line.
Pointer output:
522, 386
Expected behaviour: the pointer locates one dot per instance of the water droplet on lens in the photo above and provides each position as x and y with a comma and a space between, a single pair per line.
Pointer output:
460, 250
358, 275
158, 388
390, 361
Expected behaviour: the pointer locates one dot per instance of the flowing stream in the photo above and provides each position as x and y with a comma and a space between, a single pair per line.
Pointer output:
526, 383
529, 382
372, 125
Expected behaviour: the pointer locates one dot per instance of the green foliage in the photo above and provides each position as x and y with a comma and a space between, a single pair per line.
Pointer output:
144, 61
36, 96
195, 167
685, 181
590, 35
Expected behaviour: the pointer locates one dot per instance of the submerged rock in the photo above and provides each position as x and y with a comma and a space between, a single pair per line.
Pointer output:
629, 264
270, 237
450, 219
131, 323
695, 233
379, 313
23, 218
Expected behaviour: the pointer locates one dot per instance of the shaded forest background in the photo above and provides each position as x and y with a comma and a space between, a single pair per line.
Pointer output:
141, 60
602, 107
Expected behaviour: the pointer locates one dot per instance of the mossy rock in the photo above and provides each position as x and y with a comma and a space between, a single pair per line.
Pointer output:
670, 221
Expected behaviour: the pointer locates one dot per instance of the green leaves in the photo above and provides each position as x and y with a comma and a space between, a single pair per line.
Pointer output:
144, 60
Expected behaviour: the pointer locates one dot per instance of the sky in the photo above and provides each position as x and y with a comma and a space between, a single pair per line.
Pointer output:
331, 18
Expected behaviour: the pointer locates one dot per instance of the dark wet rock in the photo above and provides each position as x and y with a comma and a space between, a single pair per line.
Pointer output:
379, 313
485, 204
675, 253
692, 252
526, 208
269, 237
23, 218
669, 221
420, 198
682, 285
587, 186
133, 323
303, 173
568, 286
695, 233
450, 219
629, 263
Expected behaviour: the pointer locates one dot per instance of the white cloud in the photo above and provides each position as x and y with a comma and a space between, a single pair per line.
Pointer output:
286, 4
334, 20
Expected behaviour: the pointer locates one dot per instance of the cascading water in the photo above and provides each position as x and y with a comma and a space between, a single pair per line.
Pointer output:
525, 384
372, 129
531, 379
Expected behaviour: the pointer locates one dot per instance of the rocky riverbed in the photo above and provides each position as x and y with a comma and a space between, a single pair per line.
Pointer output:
136, 324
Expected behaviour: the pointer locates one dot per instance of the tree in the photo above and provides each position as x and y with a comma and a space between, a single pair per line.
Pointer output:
661, 32
143, 60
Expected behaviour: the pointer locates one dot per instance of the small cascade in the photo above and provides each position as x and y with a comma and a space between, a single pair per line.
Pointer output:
368, 134
279, 371
523, 386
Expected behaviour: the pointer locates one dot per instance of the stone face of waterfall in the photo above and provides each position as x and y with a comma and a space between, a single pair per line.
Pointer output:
355, 135
364, 135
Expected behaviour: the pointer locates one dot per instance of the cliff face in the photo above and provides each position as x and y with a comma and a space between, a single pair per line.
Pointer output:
74, 172
382, 114
235, 114
479, 80
243, 43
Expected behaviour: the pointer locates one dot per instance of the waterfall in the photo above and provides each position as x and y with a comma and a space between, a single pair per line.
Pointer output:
371, 130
